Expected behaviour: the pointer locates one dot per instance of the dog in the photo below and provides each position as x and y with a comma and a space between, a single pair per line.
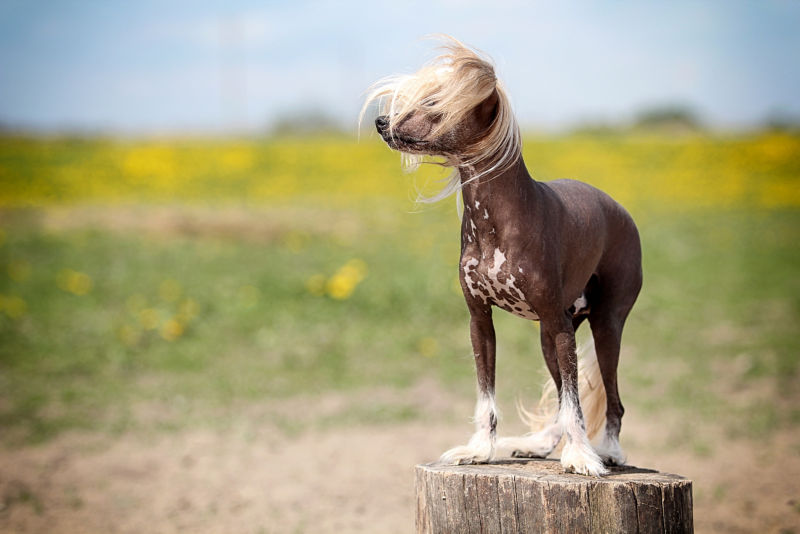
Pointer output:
559, 252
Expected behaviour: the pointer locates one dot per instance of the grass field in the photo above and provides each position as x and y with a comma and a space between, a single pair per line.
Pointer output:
151, 287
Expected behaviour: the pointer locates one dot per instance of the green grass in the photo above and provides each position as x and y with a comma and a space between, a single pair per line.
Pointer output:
163, 283
714, 332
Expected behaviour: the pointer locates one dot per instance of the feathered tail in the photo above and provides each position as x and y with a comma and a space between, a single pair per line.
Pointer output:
590, 389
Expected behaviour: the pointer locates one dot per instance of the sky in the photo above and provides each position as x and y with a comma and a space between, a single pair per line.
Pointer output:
201, 66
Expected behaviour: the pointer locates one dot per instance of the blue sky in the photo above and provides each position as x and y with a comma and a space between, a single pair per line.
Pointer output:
201, 66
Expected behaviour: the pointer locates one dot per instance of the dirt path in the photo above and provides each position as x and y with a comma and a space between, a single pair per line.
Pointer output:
350, 479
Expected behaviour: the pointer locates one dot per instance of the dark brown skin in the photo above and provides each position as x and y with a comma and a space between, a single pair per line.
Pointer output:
560, 240
568, 238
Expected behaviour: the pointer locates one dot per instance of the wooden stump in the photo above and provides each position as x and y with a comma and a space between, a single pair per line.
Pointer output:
535, 495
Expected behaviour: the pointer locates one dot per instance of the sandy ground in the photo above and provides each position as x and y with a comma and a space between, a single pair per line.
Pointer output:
333, 479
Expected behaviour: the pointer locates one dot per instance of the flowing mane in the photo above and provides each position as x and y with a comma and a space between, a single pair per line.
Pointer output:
450, 86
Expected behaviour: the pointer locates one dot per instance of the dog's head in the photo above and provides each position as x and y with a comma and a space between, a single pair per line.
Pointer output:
454, 107
425, 129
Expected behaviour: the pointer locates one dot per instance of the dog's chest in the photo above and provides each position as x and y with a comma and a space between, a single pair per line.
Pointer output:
496, 281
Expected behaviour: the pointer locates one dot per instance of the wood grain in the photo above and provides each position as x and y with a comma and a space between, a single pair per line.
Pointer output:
509, 496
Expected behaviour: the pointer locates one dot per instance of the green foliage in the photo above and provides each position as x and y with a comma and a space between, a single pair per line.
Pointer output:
668, 118
302, 279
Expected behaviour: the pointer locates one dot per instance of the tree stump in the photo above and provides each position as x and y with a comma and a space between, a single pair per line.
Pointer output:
535, 495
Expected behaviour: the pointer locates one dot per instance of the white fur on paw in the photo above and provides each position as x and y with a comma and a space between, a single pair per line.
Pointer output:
579, 457
464, 455
536, 445
479, 450
610, 452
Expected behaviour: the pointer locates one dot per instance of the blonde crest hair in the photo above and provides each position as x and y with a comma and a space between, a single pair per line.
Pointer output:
451, 86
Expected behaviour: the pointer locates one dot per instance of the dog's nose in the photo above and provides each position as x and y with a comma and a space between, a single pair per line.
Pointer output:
382, 122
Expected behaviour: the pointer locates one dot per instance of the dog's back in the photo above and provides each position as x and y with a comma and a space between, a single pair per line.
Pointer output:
594, 236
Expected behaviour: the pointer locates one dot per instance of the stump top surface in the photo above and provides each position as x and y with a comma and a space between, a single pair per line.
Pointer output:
551, 470
536, 495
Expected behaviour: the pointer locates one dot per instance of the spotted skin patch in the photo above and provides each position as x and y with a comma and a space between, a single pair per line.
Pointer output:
495, 284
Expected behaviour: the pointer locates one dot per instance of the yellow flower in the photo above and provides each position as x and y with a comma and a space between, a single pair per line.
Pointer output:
14, 307
344, 281
172, 330
74, 282
355, 268
151, 161
237, 159
428, 347
340, 287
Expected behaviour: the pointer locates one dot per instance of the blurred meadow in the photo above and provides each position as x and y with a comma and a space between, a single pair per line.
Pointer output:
217, 271
161, 285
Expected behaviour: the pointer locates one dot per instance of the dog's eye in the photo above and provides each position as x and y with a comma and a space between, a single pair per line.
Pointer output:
428, 104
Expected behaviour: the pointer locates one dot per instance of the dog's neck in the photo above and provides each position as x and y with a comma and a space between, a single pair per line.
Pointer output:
494, 206
508, 190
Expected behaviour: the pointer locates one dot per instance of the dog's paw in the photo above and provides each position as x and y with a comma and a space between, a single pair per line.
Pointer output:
537, 445
479, 450
610, 452
519, 453
580, 458
464, 455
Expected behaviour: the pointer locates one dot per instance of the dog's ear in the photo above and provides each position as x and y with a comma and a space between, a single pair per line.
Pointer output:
487, 110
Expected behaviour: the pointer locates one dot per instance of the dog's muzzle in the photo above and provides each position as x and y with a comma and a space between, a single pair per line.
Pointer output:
395, 140
381, 123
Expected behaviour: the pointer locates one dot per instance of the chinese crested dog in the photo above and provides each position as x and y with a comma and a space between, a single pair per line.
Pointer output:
559, 253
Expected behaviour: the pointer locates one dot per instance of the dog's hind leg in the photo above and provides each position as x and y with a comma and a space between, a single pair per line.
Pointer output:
577, 455
616, 293
607, 322
481, 446
607, 343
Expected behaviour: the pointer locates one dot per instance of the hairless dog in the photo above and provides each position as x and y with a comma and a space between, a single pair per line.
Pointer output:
557, 252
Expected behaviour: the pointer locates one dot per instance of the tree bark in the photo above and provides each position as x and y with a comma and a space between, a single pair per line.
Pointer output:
509, 496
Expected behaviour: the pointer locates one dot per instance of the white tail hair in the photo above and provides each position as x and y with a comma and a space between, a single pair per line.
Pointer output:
591, 391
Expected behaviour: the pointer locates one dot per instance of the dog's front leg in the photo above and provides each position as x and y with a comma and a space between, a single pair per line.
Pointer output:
480, 448
577, 456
